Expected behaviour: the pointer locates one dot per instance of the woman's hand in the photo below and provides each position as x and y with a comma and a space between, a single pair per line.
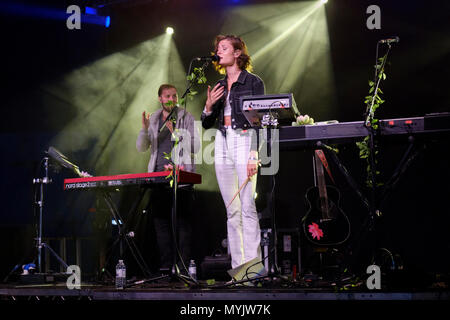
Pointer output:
252, 164
252, 167
213, 95
145, 120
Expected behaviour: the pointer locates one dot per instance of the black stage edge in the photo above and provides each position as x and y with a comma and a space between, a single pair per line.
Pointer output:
179, 291
176, 302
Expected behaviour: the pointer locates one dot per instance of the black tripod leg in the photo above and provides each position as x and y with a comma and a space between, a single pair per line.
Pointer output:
367, 226
122, 235
60, 260
135, 251
136, 203
348, 177
403, 165
117, 219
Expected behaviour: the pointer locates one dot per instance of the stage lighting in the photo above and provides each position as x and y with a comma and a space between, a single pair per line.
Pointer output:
92, 17
169, 30
324, 1
90, 10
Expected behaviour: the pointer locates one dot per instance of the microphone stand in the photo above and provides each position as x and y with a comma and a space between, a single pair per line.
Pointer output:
169, 118
369, 223
371, 131
40, 203
191, 81
175, 270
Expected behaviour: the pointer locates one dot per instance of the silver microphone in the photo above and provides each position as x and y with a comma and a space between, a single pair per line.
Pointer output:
210, 58
390, 40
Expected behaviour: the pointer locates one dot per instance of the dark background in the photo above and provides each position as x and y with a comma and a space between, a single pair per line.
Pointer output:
415, 220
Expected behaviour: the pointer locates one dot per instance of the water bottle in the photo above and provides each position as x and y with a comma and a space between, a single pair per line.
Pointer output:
193, 269
121, 275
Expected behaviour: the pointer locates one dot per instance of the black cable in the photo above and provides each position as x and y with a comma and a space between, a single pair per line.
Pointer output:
261, 261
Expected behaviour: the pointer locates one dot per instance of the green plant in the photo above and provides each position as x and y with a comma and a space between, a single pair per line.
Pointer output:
198, 75
373, 102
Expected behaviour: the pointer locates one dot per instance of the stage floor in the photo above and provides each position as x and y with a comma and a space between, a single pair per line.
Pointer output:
177, 300
174, 289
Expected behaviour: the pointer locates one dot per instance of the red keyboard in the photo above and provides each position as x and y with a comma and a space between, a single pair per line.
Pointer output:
184, 177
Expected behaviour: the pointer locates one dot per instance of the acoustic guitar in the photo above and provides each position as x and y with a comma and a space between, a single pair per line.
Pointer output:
324, 224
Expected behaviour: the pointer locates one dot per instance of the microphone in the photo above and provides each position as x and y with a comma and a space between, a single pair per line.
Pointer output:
210, 58
391, 40
169, 118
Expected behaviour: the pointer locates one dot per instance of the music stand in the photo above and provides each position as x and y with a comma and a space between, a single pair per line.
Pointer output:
267, 112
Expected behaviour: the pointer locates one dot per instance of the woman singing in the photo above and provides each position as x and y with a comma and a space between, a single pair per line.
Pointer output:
236, 156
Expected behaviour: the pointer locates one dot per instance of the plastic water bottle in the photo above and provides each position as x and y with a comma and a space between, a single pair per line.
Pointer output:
121, 275
193, 269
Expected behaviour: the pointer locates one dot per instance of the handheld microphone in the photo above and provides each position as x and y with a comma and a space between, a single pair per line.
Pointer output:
390, 40
210, 58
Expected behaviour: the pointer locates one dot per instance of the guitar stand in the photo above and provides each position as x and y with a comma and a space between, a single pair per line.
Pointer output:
368, 225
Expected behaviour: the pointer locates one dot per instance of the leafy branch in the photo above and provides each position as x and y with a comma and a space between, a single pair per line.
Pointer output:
198, 75
168, 156
373, 102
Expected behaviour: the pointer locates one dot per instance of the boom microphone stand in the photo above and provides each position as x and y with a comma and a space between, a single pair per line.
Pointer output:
175, 271
369, 223
371, 130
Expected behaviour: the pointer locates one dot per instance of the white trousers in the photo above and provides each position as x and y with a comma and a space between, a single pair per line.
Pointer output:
231, 157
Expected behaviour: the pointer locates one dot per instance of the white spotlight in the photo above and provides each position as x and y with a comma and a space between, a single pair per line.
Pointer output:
324, 1
169, 30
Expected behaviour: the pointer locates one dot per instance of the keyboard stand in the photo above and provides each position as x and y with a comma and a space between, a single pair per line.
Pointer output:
124, 234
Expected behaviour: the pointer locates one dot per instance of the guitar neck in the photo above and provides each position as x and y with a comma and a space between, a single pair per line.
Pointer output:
320, 176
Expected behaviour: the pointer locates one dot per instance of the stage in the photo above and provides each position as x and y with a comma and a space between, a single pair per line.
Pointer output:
175, 290
176, 301
76, 191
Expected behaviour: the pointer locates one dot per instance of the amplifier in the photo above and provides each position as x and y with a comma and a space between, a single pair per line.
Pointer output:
216, 267
288, 249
